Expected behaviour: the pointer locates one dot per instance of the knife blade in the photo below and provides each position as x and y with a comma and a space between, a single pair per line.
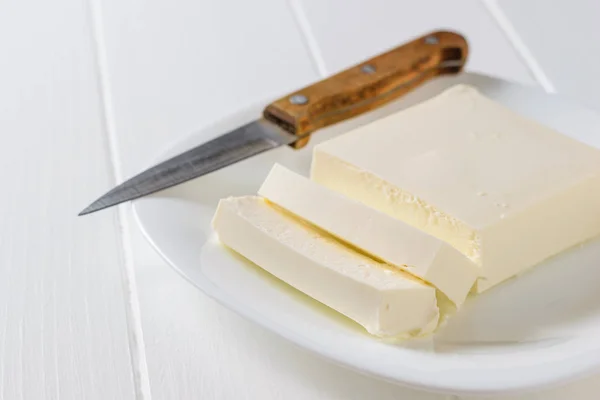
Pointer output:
292, 119
239, 144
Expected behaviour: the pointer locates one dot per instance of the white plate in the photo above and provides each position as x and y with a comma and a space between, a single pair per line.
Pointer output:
540, 329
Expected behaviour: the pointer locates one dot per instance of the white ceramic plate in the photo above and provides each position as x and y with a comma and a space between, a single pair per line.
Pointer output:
540, 329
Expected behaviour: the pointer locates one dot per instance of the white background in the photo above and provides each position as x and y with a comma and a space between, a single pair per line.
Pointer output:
92, 90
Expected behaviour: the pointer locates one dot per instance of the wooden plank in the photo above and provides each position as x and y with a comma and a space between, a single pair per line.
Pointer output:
171, 70
63, 327
344, 32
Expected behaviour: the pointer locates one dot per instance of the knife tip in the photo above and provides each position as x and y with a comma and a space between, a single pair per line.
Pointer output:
85, 211
95, 206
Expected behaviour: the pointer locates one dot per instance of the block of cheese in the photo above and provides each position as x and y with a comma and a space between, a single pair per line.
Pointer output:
506, 191
373, 232
387, 302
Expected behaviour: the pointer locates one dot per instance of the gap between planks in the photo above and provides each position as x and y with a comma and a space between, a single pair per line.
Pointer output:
518, 44
134, 325
308, 38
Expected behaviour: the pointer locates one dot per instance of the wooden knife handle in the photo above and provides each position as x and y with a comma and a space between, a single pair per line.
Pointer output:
369, 84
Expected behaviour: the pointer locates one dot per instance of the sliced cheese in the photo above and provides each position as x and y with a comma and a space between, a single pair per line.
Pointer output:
373, 232
385, 300
504, 190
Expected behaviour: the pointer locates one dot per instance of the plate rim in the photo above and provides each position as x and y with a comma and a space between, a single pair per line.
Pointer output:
549, 379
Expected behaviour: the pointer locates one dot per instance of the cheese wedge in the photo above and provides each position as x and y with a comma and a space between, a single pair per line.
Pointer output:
384, 300
373, 232
504, 190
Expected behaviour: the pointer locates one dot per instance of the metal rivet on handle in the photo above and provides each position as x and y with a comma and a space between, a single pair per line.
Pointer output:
298, 99
432, 40
368, 69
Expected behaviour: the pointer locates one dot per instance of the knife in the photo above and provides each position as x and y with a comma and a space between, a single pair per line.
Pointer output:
293, 118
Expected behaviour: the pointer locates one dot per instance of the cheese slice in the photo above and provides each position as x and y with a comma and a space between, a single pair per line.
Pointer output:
504, 190
384, 300
373, 232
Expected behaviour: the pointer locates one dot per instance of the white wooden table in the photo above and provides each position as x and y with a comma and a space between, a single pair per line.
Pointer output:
91, 90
